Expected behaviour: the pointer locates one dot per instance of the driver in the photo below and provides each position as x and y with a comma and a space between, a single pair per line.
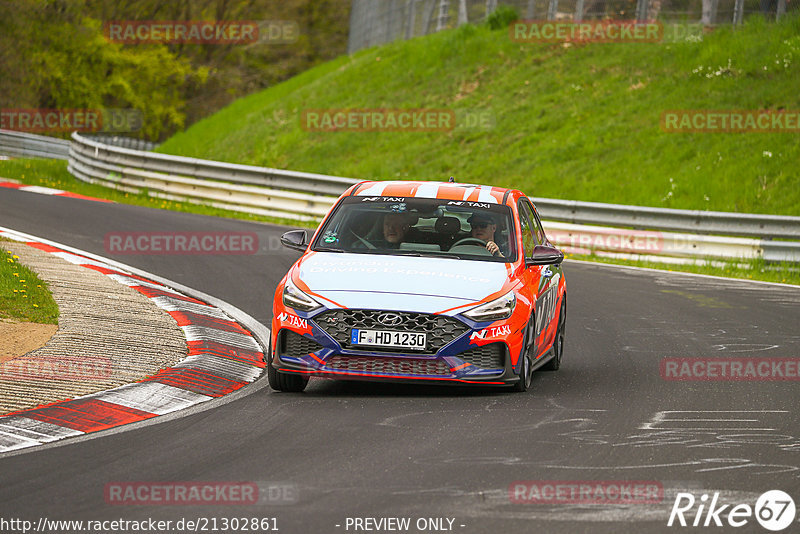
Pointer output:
483, 227
395, 226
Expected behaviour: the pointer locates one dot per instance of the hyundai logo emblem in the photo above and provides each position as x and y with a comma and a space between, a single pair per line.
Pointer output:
390, 319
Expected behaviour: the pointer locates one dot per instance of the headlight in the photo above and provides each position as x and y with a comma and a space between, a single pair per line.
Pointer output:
499, 308
294, 298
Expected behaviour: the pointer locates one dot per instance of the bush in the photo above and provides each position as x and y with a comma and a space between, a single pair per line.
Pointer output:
502, 17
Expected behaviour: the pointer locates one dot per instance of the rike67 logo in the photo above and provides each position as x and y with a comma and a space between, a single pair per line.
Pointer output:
774, 510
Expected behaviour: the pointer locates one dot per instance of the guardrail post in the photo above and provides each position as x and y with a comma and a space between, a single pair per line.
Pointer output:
391, 25
426, 17
412, 16
552, 10
738, 12
529, 11
641, 10
781, 11
578, 17
710, 18
355, 39
462, 12
441, 21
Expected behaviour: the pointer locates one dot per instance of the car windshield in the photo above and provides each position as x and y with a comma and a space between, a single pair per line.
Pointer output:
420, 227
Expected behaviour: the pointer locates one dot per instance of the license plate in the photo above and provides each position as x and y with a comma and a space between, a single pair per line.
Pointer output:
388, 338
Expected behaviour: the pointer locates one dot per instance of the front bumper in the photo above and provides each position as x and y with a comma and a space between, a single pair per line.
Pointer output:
506, 375
302, 346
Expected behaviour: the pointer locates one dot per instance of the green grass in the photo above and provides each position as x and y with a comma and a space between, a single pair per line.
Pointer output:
575, 122
747, 269
53, 173
23, 295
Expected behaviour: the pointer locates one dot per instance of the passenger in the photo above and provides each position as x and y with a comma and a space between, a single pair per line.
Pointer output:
389, 232
484, 227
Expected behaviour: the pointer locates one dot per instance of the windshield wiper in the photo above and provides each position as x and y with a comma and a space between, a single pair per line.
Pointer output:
453, 256
429, 255
392, 252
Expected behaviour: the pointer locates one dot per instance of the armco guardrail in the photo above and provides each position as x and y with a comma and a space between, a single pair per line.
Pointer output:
585, 239
27, 145
287, 190
259, 190
693, 221
581, 226
306, 196
123, 141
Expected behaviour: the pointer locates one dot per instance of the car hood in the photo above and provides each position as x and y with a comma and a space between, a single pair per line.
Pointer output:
400, 282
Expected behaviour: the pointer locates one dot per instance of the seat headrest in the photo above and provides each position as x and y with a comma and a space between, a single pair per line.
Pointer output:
448, 226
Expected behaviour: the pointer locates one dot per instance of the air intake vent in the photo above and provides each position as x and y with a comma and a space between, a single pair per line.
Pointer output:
296, 346
486, 357
387, 365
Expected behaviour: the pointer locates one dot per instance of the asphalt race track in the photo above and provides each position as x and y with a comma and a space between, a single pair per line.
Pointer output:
376, 451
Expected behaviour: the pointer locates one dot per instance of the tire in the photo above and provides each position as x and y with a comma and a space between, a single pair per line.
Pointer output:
526, 375
284, 381
558, 342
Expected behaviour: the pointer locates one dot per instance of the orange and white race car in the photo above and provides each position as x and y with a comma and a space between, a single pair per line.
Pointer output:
435, 282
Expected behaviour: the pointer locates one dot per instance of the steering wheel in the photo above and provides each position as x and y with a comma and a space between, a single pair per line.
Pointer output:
470, 241
366, 243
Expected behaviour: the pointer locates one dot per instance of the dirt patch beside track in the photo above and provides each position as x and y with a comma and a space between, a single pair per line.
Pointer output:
18, 338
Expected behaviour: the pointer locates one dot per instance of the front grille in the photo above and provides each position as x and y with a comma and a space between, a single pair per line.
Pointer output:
294, 345
486, 357
387, 365
440, 329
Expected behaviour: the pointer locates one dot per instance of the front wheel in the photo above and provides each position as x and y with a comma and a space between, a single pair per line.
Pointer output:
284, 381
526, 372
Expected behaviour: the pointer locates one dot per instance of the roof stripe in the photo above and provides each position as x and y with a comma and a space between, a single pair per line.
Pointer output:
484, 195
375, 190
400, 190
428, 190
439, 190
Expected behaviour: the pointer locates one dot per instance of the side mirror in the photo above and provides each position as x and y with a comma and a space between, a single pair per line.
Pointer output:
544, 255
295, 239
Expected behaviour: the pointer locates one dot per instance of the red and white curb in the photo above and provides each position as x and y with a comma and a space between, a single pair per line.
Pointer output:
48, 191
223, 357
